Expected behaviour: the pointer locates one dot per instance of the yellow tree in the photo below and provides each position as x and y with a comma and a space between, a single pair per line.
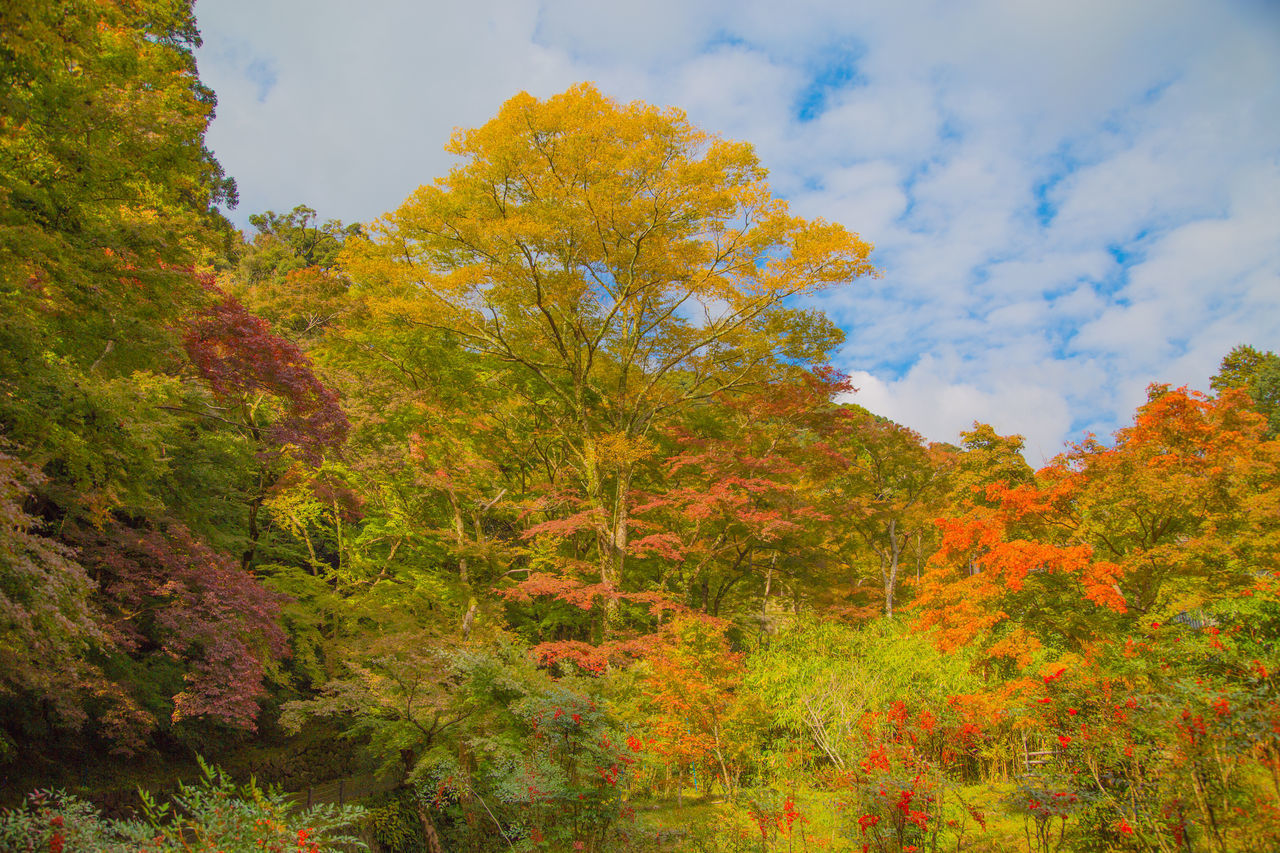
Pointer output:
621, 262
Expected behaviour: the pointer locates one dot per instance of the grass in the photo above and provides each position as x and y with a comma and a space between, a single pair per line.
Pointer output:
713, 825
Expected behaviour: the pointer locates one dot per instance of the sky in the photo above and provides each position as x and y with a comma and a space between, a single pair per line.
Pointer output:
1069, 201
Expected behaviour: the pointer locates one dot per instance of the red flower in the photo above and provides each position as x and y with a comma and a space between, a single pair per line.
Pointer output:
55, 843
1049, 679
1064, 739
1072, 711
867, 821
789, 812
577, 718
1124, 827
877, 758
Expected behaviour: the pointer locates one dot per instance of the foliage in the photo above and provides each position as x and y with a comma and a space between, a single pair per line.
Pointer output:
1256, 373
622, 264
1173, 516
212, 814
171, 595
46, 618
540, 490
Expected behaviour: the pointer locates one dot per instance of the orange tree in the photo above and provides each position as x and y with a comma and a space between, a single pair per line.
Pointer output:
691, 710
1177, 513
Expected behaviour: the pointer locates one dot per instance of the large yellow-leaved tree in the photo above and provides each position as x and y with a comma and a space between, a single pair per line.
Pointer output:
619, 265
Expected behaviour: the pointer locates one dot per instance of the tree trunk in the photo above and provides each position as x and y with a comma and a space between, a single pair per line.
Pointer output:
459, 537
429, 830
891, 574
613, 541
255, 507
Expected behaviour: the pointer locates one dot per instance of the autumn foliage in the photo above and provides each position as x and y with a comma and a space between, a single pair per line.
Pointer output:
539, 499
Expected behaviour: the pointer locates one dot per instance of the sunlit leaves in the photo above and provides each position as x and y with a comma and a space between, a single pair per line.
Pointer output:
620, 262
1176, 514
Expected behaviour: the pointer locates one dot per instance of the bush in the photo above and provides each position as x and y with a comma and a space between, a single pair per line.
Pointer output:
213, 814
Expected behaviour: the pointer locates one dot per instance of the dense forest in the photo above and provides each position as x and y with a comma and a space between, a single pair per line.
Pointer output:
539, 501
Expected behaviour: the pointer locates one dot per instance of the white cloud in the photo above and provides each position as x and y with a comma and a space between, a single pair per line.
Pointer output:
1069, 200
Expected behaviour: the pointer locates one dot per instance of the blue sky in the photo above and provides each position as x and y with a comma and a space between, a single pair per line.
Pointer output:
1068, 201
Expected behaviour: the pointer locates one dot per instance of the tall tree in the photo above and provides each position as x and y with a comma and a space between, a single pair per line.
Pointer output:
891, 485
108, 202
107, 197
623, 263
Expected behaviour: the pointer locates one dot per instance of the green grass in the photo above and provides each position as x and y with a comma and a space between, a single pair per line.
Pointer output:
711, 825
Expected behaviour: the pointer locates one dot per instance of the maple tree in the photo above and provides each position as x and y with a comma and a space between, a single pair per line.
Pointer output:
46, 615
171, 597
1171, 516
732, 512
107, 195
690, 688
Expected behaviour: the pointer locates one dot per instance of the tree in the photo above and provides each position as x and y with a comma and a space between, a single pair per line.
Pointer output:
108, 206
623, 263
107, 196
47, 623
987, 458
730, 512
1257, 373
1178, 513
288, 271
690, 693
170, 598
891, 485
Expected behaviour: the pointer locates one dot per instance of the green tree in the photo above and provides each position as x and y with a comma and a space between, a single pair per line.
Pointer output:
107, 198
890, 485
1258, 374
287, 272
